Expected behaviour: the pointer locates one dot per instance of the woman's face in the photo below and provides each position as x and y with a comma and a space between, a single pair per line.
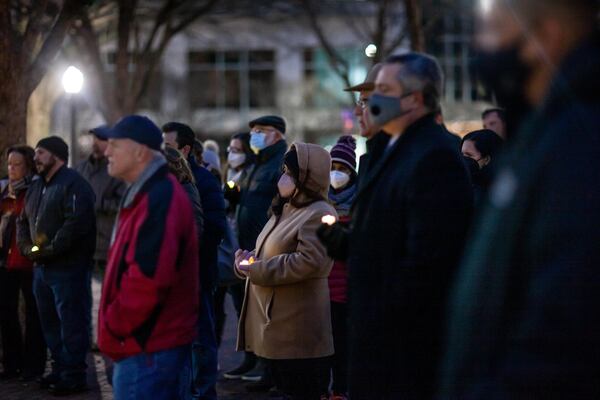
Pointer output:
286, 185
17, 168
469, 150
336, 166
235, 146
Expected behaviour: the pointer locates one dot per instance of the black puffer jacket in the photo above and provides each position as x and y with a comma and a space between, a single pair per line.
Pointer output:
59, 219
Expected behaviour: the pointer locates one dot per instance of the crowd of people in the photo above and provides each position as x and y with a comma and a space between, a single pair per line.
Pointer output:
434, 267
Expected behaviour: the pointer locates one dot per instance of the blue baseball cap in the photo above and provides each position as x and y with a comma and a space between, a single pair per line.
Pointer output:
138, 128
101, 132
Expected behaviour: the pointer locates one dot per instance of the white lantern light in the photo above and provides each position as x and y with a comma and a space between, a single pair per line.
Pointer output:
72, 80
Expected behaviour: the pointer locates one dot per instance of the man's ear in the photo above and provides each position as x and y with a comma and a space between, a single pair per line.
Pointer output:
185, 150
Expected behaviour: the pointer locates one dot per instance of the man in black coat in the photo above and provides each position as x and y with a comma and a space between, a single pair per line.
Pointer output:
57, 231
409, 221
525, 321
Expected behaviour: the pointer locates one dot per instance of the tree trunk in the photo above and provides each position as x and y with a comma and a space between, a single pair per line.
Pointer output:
415, 30
13, 98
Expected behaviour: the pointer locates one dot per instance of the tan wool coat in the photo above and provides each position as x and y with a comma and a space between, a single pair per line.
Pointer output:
286, 313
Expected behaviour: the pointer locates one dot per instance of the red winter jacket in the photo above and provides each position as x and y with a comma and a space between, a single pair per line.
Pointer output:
11, 208
150, 297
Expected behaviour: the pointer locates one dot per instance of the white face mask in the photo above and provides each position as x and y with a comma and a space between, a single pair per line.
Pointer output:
339, 179
236, 159
286, 186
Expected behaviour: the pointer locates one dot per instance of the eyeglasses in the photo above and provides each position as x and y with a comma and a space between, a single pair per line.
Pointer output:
362, 103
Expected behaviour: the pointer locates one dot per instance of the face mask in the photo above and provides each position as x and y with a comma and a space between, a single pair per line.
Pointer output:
236, 159
286, 186
383, 109
339, 179
258, 141
472, 166
505, 75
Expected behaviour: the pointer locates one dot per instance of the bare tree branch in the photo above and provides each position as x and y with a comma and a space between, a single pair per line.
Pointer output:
339, 65
126, 15
413, 15
39, 67
89, 45
185, 22
33, 30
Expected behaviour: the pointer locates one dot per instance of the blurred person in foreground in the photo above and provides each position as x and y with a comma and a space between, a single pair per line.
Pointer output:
409, 222
149, 306
21, 356
524, 321
57, 231
286, 313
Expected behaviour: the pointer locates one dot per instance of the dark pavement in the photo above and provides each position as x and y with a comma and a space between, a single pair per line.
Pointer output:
101, 390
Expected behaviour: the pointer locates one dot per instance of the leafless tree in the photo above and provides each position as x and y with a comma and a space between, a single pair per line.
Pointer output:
393, 23
31, 36
142, 31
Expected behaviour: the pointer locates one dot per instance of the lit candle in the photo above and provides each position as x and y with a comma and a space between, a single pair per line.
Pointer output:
328, 219
231, 184
35, 248
249, 261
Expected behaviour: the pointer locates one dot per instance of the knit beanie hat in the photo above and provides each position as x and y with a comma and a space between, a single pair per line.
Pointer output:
56, 146
344, 152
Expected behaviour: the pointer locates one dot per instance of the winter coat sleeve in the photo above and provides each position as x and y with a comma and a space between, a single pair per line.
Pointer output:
308, 261
150, 264
78, 206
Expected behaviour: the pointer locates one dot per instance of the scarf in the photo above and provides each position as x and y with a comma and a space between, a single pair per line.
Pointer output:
342, 201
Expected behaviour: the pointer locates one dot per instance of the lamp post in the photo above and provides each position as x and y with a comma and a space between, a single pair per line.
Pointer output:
72, 81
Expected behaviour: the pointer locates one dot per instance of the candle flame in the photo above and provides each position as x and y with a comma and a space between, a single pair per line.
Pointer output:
328, 219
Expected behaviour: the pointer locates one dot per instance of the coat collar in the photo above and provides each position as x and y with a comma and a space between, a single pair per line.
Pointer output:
379, 165
269, 152
136, 187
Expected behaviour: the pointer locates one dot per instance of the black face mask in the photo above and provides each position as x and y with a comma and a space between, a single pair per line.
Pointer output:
504, 74
472, 167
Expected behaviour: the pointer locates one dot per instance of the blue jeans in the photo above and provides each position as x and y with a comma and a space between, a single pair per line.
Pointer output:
164, 375
62, 297
204, 351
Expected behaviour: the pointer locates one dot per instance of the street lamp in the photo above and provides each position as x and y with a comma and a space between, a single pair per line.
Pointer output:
72, 81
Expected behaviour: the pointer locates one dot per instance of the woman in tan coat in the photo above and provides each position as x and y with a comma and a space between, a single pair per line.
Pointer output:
285, 316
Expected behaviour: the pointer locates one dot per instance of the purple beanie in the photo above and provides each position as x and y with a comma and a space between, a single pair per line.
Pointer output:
343, 152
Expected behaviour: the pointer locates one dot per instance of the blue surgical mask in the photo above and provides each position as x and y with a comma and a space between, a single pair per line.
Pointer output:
258, 141
383, 109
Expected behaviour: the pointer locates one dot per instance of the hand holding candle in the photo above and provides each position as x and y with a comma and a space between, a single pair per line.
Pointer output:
243, 260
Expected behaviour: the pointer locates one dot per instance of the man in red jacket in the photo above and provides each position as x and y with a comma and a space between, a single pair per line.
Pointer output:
149, 306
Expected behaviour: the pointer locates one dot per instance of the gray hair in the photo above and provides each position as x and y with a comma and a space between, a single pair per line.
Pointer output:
420, 72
